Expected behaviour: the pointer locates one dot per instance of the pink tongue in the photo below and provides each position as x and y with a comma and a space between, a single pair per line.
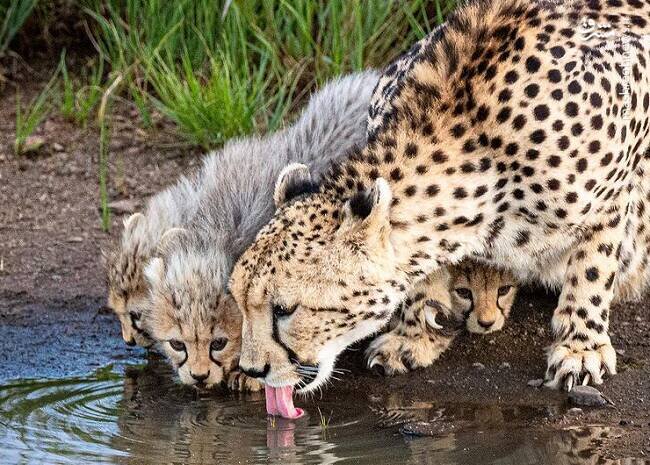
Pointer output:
271, 405
279, 401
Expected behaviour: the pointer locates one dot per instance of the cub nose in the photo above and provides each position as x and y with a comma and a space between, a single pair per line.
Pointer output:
130, 342
200, 378
485, 324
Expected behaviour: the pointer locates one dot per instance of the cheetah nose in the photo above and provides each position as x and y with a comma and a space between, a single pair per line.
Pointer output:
485, 324
130, 342
200, 378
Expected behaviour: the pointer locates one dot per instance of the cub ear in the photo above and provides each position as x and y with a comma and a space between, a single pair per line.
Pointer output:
133, 233
154, 271
294, 180
134, 222
369, 210
104, 257
169, 238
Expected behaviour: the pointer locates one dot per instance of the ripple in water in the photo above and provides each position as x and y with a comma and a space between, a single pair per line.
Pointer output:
143, 418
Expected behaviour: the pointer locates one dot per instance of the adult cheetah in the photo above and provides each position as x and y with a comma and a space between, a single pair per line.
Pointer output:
515, 134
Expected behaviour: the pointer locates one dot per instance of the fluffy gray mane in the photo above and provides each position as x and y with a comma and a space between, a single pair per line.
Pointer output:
235, 186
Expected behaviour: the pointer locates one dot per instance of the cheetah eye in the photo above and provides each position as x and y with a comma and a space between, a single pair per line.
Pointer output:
177, 345
503, 290
218, 344
463, 293
280, 311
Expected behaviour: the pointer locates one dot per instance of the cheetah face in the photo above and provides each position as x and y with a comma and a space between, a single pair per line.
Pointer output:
483, 295
127, 290
320, 276
194, 323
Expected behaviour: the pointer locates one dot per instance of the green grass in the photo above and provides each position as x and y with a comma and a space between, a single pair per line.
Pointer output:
222, 69
216, 68
210, 107
30, 116
104, 136
13, 14
80, 96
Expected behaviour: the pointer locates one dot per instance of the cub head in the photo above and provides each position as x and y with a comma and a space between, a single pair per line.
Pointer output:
318, 277
127, 288
483, 295
191, 317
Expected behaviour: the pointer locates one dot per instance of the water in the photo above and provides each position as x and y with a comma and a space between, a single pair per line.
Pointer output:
140, 416
130, 411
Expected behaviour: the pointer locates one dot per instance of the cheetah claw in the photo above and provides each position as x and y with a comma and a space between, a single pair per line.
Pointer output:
569, 367
397, 354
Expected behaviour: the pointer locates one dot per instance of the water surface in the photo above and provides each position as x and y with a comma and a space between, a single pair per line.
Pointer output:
139, 415
73, 394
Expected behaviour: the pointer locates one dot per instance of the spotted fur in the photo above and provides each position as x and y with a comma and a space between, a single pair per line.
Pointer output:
518, 137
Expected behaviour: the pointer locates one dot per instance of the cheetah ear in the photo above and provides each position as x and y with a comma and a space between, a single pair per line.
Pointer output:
369, 210
154, 271
294, 180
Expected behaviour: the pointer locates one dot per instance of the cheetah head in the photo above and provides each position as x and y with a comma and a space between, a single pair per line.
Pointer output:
190, 316
483, 295
127, 289
320, 276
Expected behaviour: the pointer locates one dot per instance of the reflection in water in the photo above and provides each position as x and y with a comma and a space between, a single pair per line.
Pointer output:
144, 418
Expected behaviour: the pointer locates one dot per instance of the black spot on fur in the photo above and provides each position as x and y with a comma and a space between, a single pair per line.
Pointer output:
361, 204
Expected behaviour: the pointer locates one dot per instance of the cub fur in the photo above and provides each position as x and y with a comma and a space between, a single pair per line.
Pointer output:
191, 315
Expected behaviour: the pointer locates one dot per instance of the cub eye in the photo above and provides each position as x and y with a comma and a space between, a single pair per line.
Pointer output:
463, 293
503, 290
218, 344
177, 345
280, 311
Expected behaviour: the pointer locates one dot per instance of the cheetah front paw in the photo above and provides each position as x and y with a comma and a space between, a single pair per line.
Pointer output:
570, 364
396, 353
238, 381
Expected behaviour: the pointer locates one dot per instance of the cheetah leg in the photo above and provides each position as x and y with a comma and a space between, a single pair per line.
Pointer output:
582, 352
416, 339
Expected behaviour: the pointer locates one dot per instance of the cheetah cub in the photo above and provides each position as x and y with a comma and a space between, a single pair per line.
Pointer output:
176, 206
481, 295
127, 289
191, 315
469, 294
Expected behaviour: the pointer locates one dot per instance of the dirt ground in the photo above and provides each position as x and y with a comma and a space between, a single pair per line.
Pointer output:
50, 241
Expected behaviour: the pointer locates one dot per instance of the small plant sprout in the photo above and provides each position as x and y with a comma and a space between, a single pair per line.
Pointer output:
324, 422
28, 118
103, 151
